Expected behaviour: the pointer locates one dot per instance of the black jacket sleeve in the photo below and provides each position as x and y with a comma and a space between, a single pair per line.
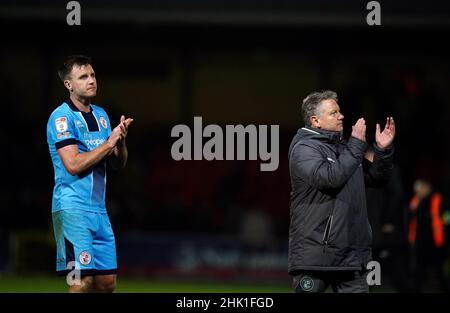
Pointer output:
378, 173
313, 167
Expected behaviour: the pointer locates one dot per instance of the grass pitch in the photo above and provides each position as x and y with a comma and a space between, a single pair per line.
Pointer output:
55, 284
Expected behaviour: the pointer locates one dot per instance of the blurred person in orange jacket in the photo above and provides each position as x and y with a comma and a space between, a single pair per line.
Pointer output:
426, 235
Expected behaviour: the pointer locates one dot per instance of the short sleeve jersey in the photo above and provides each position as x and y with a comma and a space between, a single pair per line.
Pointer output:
69, 126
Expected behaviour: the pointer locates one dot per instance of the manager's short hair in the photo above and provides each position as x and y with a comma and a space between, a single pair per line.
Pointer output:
311, 104
69, 62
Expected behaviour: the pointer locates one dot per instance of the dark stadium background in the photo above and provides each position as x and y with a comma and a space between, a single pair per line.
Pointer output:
234, 62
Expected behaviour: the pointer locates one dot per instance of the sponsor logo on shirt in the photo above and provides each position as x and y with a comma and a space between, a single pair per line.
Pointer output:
79, 124
94, 142
63, 135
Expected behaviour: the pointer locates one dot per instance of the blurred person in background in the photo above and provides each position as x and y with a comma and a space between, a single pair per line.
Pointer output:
80, 141
426, 235
330, 235
446, 220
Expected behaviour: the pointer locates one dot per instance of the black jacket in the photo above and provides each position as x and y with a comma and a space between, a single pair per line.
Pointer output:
329, 228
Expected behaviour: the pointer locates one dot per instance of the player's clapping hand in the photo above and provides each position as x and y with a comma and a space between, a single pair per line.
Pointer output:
385, 138
359, 129
124, 124
119, 133
115, 136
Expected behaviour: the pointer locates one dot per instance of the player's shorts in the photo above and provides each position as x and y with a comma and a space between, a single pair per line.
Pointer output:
84, 241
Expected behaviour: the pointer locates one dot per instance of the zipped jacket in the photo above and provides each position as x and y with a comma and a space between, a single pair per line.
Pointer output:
329, 229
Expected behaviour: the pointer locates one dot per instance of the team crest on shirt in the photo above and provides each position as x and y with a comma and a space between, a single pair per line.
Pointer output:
61, 124
103, 122
85, 258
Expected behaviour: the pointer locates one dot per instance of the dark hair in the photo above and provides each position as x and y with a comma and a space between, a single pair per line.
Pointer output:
311, 103
69, 62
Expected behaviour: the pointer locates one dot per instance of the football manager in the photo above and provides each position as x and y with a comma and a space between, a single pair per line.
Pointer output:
330, 234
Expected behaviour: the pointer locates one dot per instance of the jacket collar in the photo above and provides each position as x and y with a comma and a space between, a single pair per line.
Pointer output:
328, 135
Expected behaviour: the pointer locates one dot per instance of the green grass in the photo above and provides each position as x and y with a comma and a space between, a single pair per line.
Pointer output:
39, 283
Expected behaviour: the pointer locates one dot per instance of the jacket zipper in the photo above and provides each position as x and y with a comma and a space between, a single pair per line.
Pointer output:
326, 234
